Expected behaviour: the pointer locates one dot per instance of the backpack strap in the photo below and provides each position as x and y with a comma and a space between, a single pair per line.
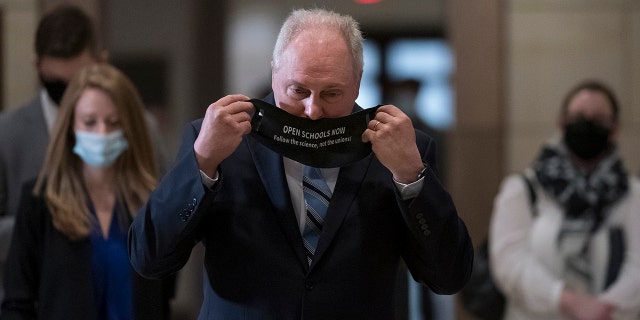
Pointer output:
529, 177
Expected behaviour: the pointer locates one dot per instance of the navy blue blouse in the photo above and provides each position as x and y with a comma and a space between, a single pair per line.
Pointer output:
111, 272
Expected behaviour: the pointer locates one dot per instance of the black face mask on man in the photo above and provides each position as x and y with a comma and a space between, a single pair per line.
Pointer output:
586, 138
322, 143
55, 88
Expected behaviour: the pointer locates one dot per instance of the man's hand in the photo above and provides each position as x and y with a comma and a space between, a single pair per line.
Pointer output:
224, 124
393, 141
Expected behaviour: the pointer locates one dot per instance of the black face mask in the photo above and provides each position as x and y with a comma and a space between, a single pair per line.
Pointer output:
55, 88
323, 143
586, 138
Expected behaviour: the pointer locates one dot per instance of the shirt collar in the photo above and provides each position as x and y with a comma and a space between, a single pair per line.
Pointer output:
49, 109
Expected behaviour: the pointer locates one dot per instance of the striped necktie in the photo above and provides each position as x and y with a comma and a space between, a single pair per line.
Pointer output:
316, 199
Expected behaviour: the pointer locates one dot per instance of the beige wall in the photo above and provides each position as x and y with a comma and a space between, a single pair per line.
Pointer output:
475, 146
19, 81
551, 45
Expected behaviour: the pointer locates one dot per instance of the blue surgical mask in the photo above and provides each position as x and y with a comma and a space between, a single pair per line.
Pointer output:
100, 150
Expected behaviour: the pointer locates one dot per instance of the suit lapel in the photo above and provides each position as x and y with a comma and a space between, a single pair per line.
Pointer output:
271, 171
344, 194
36, 124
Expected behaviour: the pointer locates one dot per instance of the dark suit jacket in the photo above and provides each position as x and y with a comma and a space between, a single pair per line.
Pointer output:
49, 276
254, 255
23, 141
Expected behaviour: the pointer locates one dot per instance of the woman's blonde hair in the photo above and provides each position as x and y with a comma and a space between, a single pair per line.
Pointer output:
60, 181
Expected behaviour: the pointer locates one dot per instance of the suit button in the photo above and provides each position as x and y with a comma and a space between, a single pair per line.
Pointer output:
185, 214
309, 284
192, 205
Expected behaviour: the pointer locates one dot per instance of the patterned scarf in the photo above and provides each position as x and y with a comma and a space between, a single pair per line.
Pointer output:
585, 197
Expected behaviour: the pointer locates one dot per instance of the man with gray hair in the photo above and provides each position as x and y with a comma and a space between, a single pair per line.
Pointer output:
305, 202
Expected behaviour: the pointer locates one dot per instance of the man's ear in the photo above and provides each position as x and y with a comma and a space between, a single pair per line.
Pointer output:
358, 80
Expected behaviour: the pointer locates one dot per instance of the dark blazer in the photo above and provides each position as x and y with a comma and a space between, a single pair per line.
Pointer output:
23, 141
49, 276
254, 255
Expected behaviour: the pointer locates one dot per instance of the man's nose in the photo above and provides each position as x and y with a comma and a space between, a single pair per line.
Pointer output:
312, 109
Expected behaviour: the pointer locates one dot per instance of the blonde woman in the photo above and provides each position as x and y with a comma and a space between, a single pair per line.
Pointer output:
68, 257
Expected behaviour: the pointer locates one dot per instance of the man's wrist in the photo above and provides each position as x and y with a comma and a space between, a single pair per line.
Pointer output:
409, 190
207, 180
411, 175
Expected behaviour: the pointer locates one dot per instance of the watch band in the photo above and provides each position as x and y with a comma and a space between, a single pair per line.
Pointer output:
423, 172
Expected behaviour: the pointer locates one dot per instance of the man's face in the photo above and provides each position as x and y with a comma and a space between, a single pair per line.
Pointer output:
316, 77
62, 69
56, 73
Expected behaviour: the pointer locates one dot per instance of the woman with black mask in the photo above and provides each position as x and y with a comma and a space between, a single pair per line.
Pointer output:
575, 252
